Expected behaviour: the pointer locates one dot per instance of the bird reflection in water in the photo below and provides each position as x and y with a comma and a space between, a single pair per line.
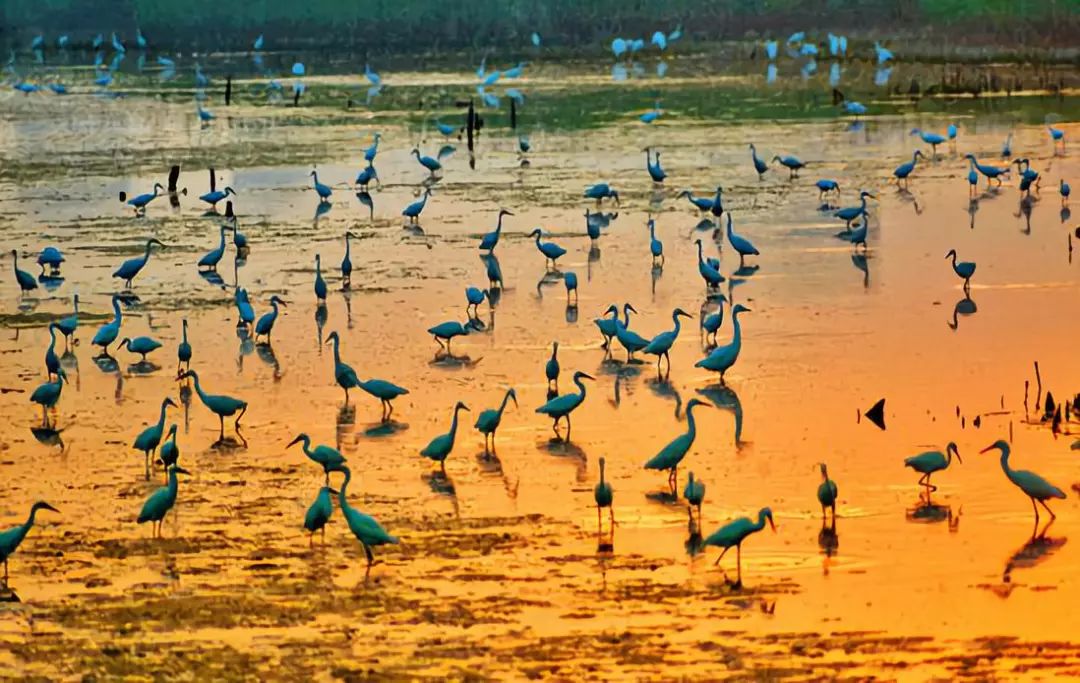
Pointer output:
1034, 552
143, 367
725, 398
1025, 211
965, 306
925, 511
441, 484
665, 389
571, 313
366, 200
266, 354
861, 261
320, 321
50, 436
829, 542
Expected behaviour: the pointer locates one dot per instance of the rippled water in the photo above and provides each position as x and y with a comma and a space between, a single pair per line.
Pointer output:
501, 571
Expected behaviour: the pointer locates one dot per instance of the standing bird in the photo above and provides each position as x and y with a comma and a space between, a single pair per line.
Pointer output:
712, 322
69, 324
448, 331
265, 325
608, 327
570, 280
183, 351
672, 454
1065, 190
928, 462
964, 269
903, 171
988, 171
1034, 487
320, 283
141, 346
370, 152
169, 454
827, 492
793, 164
364, 178
48, 394
244, 310
932, 139
161, 501
432, 165
130, 268
487, 422
858, 235
344, 375
441, 446
656, 247
826, 186
661, 344
723, 357
323, 191
734, 533
709, 274
412, 211
474, 296
51, 258
600, 192
655, 171
604, 496
850, 213
330, 459
24, 279
694, 493
221, 405
52, 361
700, 203
211, 259
1057, 135
491, 239
550, 250
630, 340
140, 202
147, 441
369, 532
759, 164
214, 196
551, 368
13, 537
1006, 149
319, 513
107, 333
742, 245
561, 406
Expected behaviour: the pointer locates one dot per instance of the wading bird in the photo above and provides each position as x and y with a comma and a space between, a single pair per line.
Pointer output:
827, 492
323, 191
793, 164
702, 204
723, 357
319, 514
107, 333
661, 344
13, 537
743, 246
320, 283
147, 441
988, 171
903, 171
211, 259
491, 239
487, 422
440, 447
656, 247
474, 296
265, 326
183, 351
214, 196
330, 459
24, 279
169, 454
432, 165
609, 327
50, 257
52, 361
551, 368
561, 406
932, 139
1034, 487
604, 496
759, 164
826, 186
448, 331
600, 192
928, 462
709, 274
849, 213
413, 211
571, 282
964, 269
694, 493
550, 250
712, 322
130, 268
369, 532
161, 501
655, 171
141, 346
733, 534
220, 405
672, 454
630, 340
139, 202
48, 394
69, 324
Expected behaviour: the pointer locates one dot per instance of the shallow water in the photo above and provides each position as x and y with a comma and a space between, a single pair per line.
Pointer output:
501, 571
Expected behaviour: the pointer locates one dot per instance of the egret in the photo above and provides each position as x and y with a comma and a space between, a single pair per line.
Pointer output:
373, 78
651, 115
523, 144
117, 45
432, 165
604, 495
973, 181
370, 152
330, 459
369, 532
630, 340
52, 361
932, 139
723, 357
213, 197
364, 178
964, 269
592, 226
320, 284
672, 454
1006, 149
989, 172
561, 406
130, 268
883, 54
243, 308
850, 213
50, 257
1057, 135
323, 191
694, 493
858, 235
570, 280
1065, 190
48, 394
903, 171
258, 44
717, 208
319, 513
220, 405
551, 368
448, 331
608, 326
25, 280
1034, 487
141, 346
148, 439
759, 164
656, 247
826, 492
346, 263
265, 325
107, 334
742, 245
793, 164
661, 344
825, 186
445, 128
600, 192
655, 171
161, 501
733, 534
412, 211
210, 260
13, 537
493, 271
951, 131
928, 462
550, 250
170, 452
474, 296
487, 422
711, 275
139, 203
441, 446
1028, 176
712, 322
700, 203
491, 239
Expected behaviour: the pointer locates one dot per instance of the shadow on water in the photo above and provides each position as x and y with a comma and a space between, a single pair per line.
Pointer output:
861, 261
925, 511
143, 367
445, 359
828, 540
965, 307
725, 398
384, 429
107, 364
1036, 550
49, 436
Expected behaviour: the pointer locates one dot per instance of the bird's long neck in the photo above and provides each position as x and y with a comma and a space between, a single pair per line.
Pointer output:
1005, 461
581, 387
602, 473
690, 424
736, 338
337, 353
502, 406
341, 492
173, 481
221, 245
537, 239
498, 225
760, 522
626, 315
700, 259
318, 267
862, 204
954, 260
678, 325
185, 332
346, 246
52, 337
146, 255
315, 178
306, 441
652, 230
117, 314
914, 158
198, 386
16, 264
453, 423
161, 416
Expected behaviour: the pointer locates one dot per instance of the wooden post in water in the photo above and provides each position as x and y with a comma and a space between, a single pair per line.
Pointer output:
228, 90
470, 126
513, 114
174, 175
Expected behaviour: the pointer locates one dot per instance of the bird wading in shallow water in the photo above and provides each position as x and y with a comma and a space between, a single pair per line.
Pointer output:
12, 538
1034, 487
221, 405
330, 459
560, 407
733, 534
161, 501
928, 462
672, 454
723, 357
604, 497
551, 368
963, 269
487, 422
440, 447
369, 532
827, 492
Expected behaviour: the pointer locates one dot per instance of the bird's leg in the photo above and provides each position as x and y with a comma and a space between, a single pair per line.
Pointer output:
370, 557
323, 534
236, 425
1036, 509
599, 522
221, 432
738, 564
611, 518
567, 439
311, 540
722, 553
1052, 515
391, 411
5, 573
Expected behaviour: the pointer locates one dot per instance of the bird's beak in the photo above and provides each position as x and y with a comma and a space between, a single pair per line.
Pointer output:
46, 506
772, 524
181, 470
170, 402
585, 376
988, 448
333, 491
294, 441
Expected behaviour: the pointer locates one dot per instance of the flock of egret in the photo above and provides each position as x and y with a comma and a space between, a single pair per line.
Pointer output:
559, 407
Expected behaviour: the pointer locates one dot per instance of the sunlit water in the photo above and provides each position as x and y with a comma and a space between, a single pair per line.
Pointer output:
501, 570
